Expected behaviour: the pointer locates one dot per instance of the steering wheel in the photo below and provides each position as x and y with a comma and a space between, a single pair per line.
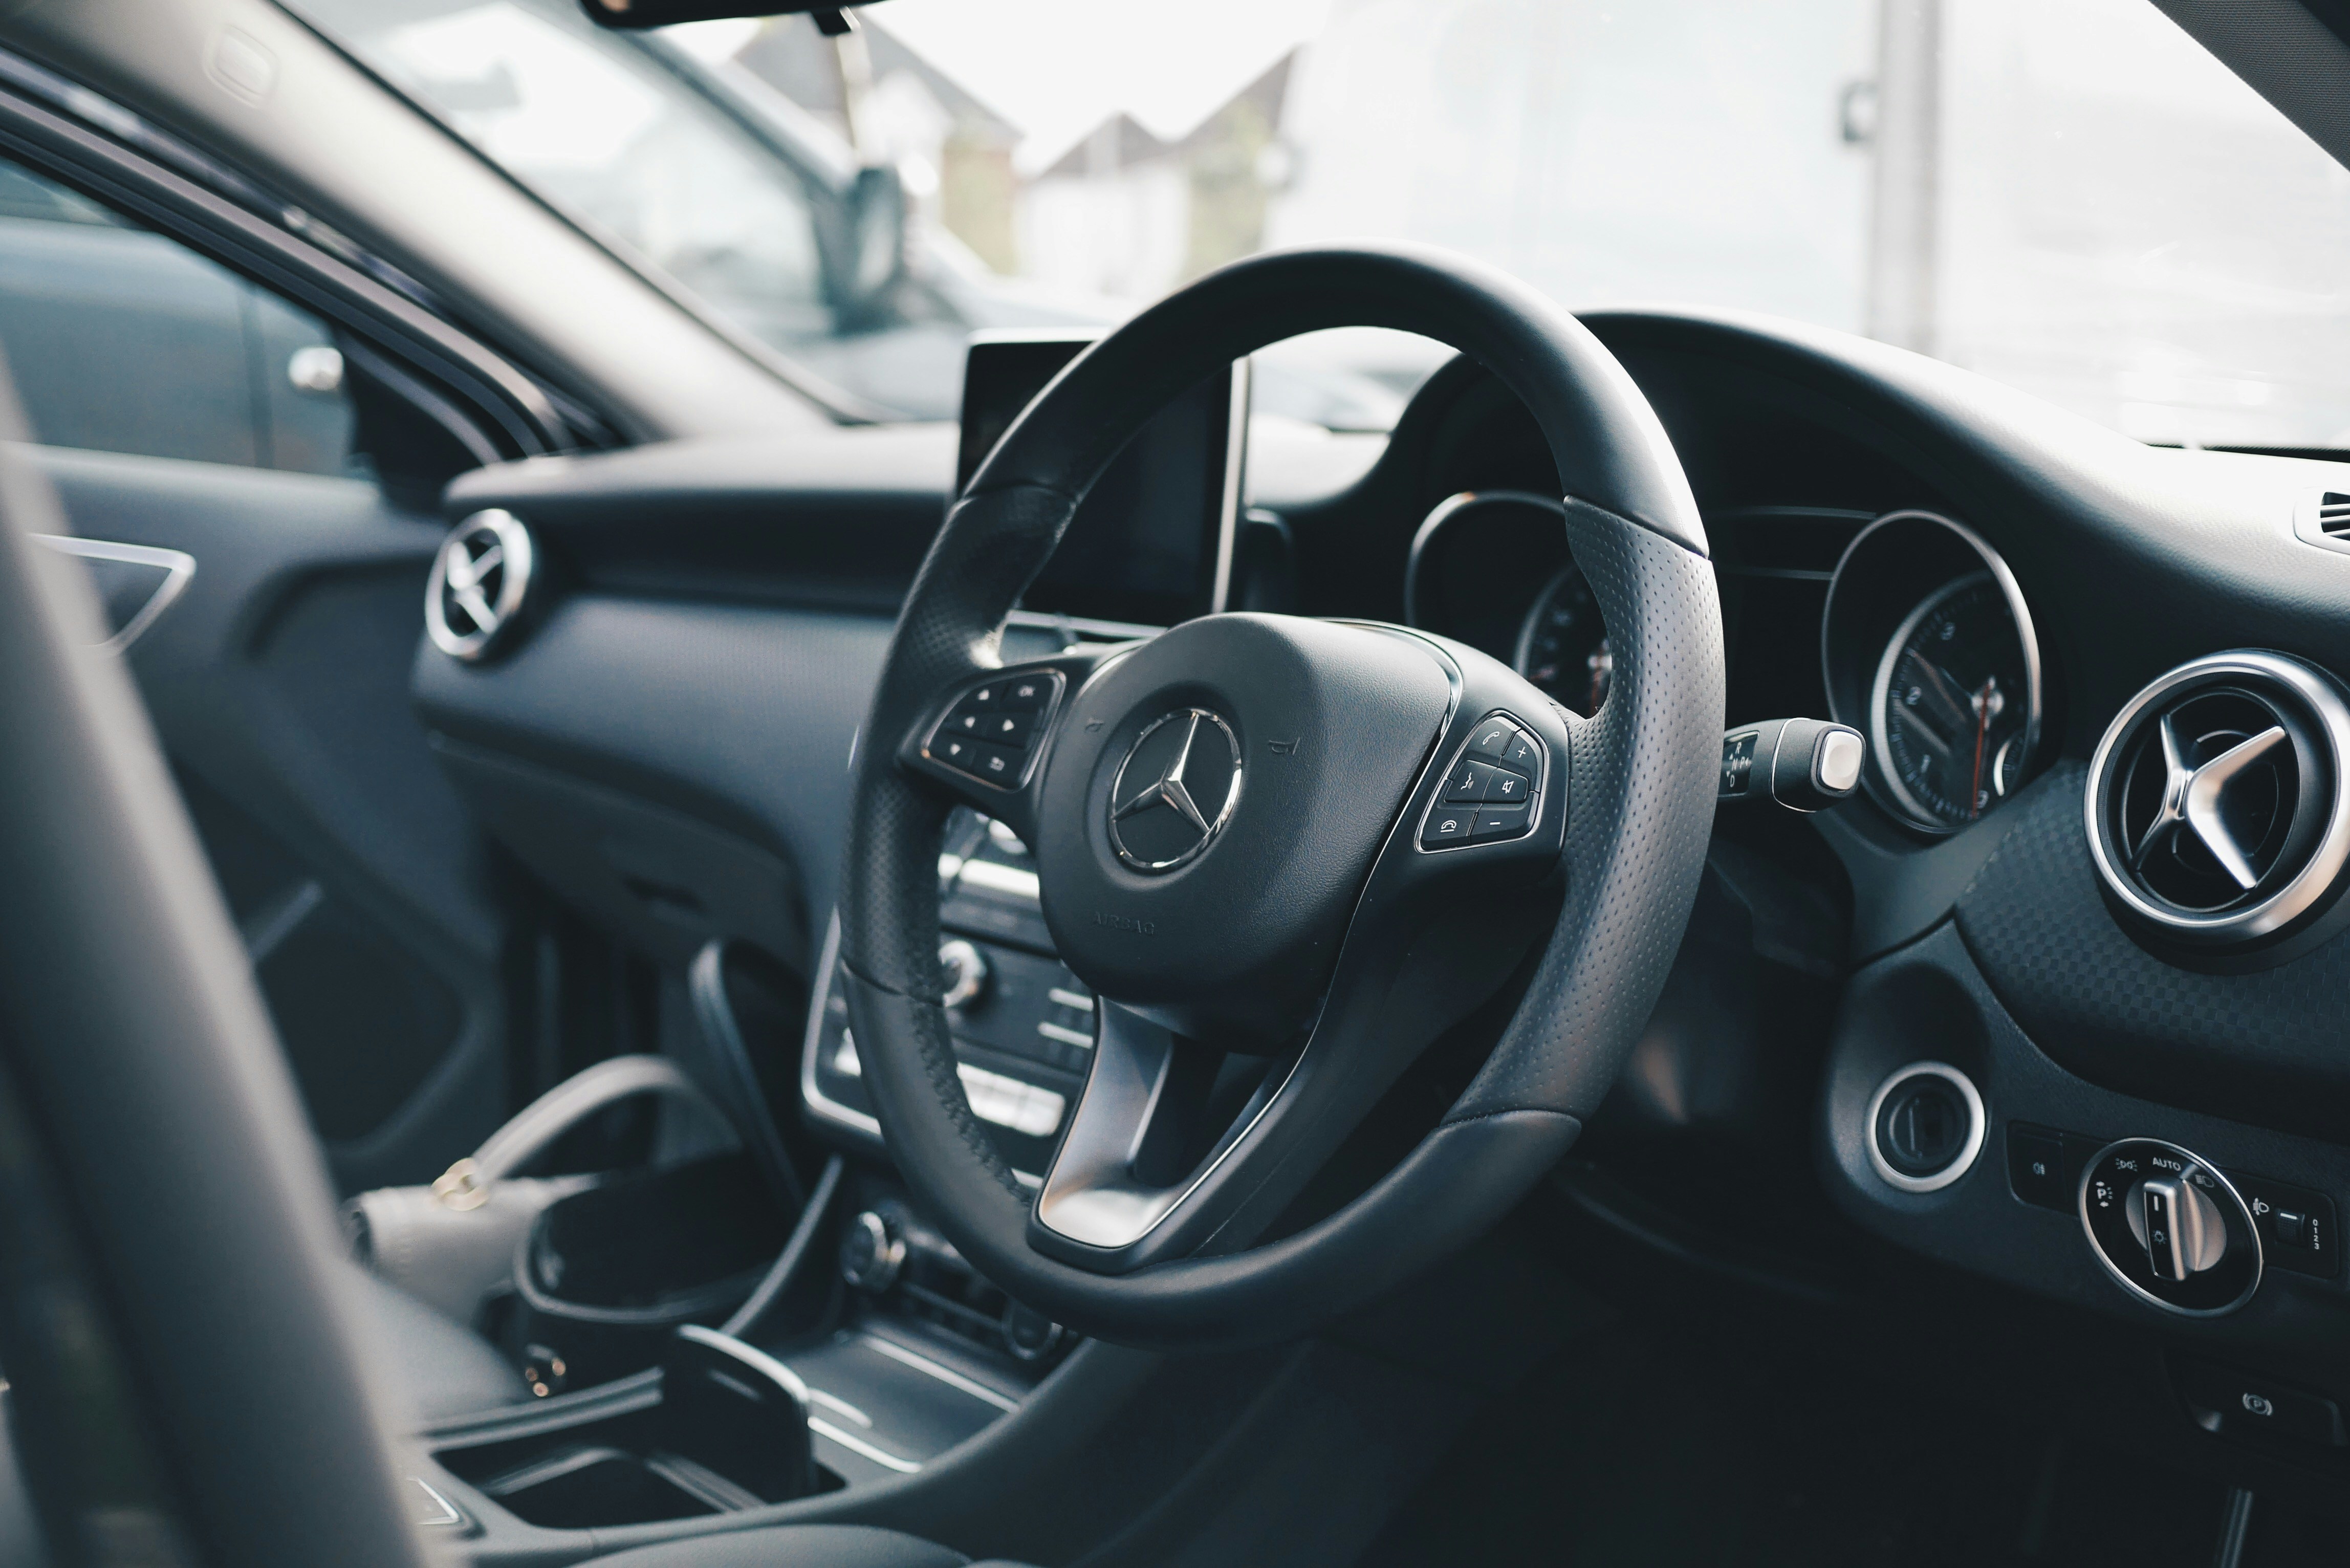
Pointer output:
1286, 853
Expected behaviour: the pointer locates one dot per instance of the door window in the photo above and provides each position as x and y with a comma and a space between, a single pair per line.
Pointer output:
123, 341
627, 147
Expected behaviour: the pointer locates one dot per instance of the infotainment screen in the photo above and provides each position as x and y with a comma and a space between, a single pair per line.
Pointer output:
1152, 546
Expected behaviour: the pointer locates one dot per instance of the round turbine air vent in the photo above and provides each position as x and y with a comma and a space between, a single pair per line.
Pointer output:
480, 585
2217, 812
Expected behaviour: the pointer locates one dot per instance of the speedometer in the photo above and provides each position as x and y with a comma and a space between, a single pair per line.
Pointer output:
1952, 711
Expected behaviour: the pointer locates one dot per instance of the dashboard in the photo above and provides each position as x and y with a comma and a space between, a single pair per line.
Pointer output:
2053, 1005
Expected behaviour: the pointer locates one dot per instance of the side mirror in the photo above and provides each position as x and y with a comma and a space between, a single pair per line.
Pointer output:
865, 246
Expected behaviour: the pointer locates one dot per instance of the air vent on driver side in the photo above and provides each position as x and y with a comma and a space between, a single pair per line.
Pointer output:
2217, 813
482, 585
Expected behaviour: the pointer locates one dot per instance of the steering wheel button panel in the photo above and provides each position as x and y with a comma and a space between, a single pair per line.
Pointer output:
980, 760
1493, 739
1492, 791
1452, 825
1471, 782
990, 731
1025, 692
1495, 821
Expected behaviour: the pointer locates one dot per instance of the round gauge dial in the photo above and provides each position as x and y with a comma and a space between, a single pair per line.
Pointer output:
1563, 644
1951, 715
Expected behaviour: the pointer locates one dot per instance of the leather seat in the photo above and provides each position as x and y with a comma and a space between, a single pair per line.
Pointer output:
797, 1546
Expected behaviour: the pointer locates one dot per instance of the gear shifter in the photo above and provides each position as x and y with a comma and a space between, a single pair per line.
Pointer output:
1802, 763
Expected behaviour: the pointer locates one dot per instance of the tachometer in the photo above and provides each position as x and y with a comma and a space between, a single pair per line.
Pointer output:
1563, 644
1952, 709
1927, 645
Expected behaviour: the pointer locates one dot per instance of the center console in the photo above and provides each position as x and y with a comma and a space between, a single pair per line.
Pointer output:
1023, 1027
890, 1350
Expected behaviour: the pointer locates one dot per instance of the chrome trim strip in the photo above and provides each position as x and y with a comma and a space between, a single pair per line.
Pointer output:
178, 567
928, 1368
819, 1103
994, 876
1104, 631
750, 1355
451, 1516
1228, 506
882, 1457
839, 1407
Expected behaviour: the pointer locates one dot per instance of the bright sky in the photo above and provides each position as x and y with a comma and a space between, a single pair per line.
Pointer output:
1057, 69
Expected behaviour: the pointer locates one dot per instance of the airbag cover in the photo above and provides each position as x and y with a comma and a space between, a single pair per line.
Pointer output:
1333, 723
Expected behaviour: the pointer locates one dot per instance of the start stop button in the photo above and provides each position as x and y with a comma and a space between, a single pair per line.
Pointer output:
1925, 1127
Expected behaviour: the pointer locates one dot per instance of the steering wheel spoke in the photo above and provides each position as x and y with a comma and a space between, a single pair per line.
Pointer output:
1184, 1143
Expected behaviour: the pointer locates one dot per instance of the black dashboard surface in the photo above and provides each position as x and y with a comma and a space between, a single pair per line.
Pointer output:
717, 615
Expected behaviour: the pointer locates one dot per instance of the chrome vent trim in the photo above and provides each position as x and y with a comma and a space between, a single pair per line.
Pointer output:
2216, 809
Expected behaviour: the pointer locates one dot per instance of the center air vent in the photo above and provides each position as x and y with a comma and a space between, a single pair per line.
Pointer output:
2217, 814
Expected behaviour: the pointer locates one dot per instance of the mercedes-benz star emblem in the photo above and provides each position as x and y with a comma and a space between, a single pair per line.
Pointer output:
1175, 791
479, 579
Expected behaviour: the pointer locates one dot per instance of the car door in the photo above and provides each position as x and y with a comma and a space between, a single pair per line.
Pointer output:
250, 489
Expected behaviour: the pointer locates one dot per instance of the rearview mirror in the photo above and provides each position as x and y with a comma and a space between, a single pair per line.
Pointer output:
865, 246
637, 15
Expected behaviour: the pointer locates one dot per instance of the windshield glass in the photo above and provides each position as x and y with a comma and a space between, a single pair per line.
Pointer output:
2069, 195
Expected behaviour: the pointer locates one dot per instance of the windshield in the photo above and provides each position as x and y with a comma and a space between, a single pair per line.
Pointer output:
2069, 195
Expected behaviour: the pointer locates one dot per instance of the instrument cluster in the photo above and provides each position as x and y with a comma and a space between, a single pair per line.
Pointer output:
1923, 641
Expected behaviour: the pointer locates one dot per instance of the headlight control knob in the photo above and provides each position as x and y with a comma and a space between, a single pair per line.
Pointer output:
2170, 1227
963, 970
2181, 1229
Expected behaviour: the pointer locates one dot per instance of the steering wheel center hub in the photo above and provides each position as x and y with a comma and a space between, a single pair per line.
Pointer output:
1212, 804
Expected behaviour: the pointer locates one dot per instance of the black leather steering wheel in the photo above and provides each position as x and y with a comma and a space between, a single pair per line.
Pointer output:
1244, 844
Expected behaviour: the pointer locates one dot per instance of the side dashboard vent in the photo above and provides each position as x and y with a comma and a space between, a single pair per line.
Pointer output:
2322, 519
482, 586
2217, 812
